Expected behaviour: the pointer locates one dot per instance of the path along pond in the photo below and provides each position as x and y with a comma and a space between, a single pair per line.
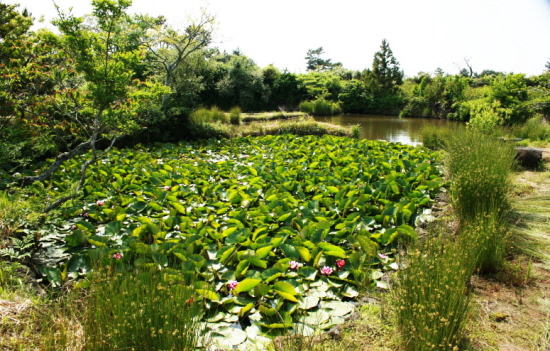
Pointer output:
390, 128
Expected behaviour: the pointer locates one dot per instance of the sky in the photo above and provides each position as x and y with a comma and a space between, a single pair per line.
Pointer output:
503, 35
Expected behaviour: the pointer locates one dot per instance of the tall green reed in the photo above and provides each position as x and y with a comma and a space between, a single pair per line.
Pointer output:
430, 296
480, 169
144, 309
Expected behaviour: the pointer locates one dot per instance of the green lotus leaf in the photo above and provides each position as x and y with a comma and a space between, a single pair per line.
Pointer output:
246, 285
208, 294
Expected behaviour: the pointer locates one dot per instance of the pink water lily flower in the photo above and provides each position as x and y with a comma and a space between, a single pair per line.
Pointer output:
100, 202
232, 284
326, 270
166, 187
382, 256
117, 256
293, 264
341, 263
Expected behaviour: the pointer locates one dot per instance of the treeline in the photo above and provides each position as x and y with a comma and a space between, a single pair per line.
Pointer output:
143, 78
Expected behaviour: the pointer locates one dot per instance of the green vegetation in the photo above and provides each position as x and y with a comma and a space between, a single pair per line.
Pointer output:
147, 310
430, 299
247, 230
320, 107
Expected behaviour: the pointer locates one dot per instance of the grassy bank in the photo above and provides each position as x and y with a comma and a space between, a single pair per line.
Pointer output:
300, 126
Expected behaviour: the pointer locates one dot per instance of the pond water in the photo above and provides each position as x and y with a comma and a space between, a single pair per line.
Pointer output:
390, 128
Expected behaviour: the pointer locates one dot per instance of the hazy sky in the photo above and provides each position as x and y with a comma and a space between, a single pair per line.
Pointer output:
502, 35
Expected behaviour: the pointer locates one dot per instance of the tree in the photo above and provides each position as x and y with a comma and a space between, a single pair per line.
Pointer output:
385, 77
109, 101
243, 85
316, 63
169, 47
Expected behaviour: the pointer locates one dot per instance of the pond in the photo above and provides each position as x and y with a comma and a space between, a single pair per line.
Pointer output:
390, 128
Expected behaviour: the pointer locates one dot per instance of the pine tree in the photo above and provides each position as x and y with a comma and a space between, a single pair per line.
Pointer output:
385, 76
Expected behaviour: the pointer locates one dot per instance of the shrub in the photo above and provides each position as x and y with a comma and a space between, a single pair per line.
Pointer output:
235, 116
535, 129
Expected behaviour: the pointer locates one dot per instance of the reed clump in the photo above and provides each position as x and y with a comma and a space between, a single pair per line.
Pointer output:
479, 170
141, 310
430, 297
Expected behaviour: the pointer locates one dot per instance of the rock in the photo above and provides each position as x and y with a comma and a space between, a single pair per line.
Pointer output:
528, 157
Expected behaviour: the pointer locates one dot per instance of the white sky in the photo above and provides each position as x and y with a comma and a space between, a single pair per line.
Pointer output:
502, 35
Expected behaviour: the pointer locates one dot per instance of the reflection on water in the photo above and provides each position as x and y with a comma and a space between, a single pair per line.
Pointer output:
389, 128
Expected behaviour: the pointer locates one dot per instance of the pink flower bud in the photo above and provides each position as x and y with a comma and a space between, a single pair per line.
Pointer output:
100, 202
341, 263
382, 256
73, 227
232, 284
117, 256
326, 270
166, 188
293, 264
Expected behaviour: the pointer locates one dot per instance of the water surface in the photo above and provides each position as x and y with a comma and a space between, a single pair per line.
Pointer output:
390, 128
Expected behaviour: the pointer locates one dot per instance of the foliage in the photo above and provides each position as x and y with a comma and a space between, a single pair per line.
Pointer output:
355, 98
321, 85
511, 93
436, 96
384, 79
535, 129
286, 91
242, 85
242, 210
430, 296
109, 100
316, 63
484, 117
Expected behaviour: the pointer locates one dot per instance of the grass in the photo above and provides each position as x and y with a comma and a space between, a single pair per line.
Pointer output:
430, 297
303, 126
320, 107
141, 310
271, 116
479, 170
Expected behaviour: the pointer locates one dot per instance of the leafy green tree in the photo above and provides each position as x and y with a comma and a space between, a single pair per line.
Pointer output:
243, 85
110, 100
355, 97
169, 47
287, 92
316, 63
321, 85
511, 93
